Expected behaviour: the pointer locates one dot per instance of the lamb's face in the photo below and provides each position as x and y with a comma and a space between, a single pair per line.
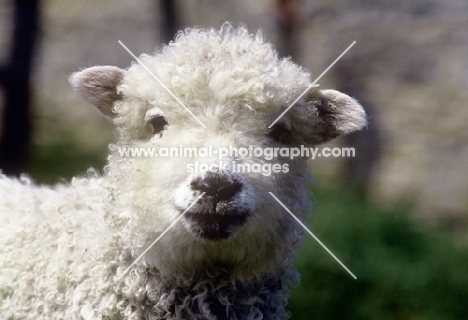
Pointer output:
234, 87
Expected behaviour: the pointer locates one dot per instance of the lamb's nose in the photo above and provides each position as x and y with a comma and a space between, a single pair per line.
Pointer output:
219, 187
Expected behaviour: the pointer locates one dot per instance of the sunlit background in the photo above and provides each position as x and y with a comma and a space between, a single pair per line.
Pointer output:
396, 214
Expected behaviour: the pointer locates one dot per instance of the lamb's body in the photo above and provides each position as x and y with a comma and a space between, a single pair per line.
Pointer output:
46, 236
231, 256
60, 259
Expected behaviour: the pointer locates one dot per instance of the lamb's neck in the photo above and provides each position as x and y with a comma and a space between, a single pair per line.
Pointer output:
215, 295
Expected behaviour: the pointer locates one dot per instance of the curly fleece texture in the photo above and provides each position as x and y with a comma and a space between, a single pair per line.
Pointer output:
64, 247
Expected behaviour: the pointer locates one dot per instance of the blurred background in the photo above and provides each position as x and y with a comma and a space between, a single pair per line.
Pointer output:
396, 214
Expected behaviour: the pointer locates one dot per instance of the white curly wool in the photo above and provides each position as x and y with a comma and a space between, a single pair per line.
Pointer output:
64, 249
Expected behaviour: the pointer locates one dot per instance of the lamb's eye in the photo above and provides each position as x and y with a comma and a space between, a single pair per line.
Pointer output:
156, 120
280, 132
158, 123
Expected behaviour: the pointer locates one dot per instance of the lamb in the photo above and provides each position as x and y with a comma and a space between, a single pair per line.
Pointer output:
70, 251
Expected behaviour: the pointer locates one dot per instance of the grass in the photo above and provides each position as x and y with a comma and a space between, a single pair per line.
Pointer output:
405, 270
63, 159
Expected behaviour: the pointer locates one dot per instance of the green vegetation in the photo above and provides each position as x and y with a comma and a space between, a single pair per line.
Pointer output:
405, 270
64, 158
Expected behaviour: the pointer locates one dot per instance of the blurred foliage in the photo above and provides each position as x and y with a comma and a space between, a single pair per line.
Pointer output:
404, 269
64, 158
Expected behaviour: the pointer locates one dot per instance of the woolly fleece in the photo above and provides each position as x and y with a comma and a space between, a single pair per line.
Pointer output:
65, 246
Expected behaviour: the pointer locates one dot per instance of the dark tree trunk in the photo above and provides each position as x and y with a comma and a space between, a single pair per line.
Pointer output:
14, 143
169, 20
289, 19
367, 143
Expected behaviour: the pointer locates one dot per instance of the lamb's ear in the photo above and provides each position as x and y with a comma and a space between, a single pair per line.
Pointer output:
324, 115
98, 86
